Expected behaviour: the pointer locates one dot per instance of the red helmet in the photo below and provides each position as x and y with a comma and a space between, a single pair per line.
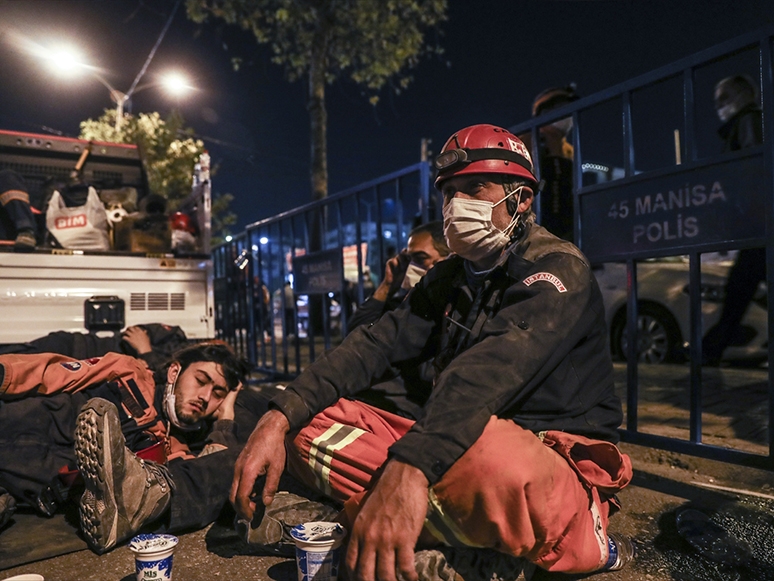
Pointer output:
181, 221
483, 149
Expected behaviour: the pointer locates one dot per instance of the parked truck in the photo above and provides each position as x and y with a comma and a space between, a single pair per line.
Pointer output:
68, 289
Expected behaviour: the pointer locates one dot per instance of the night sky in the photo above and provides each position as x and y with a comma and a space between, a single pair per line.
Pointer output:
498, 55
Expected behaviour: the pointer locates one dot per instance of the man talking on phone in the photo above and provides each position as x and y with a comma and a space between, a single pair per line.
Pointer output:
425, 247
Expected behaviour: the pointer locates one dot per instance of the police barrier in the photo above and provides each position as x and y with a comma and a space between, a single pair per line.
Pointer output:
648, 183
316, 262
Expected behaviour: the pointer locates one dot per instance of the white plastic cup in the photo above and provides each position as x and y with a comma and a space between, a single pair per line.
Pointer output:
318, 550
153, 556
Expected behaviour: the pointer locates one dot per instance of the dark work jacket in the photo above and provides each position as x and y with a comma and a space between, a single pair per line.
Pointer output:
371, 309
743, 130
534, 348
390, 392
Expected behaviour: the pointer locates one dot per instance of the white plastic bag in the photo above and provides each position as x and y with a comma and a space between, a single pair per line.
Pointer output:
82, 227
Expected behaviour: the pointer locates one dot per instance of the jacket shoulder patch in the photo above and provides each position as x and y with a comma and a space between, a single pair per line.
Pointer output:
71, 365
547, 277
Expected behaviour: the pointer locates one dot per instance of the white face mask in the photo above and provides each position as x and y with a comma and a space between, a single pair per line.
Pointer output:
727, 111
469, 231
412, 276
563, 125
169, 408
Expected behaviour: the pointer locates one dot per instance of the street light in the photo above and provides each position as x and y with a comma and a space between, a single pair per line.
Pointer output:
66, 61
63, 61
175, 83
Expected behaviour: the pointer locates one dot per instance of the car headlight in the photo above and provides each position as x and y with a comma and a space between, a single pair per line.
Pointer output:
710, 293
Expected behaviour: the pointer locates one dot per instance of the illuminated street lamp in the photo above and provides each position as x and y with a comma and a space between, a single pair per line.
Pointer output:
65, 61
175, 83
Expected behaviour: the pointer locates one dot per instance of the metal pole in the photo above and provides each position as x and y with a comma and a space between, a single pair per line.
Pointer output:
632, 350
766, 63
694, 284
120, 98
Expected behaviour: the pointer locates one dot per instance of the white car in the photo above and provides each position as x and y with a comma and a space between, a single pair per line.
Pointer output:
664, 310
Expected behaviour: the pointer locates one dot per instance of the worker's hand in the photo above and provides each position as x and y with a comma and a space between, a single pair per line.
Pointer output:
226, 409
138, 338
264, 454
381, 544
394, 271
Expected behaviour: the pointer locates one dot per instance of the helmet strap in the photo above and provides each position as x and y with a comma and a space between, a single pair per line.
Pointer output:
516, 227
512, 204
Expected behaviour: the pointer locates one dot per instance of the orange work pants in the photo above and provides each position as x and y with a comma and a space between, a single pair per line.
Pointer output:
546, 497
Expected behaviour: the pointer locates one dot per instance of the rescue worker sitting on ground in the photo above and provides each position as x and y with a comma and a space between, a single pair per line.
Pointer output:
514, 462
187, 415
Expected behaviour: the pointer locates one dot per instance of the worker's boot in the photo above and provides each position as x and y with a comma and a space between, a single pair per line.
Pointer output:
270, 527
122, 492
469, 564
25, 241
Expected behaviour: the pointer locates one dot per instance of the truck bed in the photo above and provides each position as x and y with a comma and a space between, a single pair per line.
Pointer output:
46, 290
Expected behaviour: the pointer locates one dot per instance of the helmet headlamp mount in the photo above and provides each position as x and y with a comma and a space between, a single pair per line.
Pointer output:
453, 159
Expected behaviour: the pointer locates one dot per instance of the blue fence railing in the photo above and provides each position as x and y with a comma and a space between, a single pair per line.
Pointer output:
316, 263
649, 183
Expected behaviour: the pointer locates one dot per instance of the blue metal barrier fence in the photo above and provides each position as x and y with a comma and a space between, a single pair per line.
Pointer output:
316, 263
649, 183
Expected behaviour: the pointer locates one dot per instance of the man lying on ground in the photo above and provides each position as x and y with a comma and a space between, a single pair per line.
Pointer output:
188, 415
154, 343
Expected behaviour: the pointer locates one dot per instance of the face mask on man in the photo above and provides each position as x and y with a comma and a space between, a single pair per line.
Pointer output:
563, 125
412, 276
469, 231
727, 111
171, 410
729, 100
